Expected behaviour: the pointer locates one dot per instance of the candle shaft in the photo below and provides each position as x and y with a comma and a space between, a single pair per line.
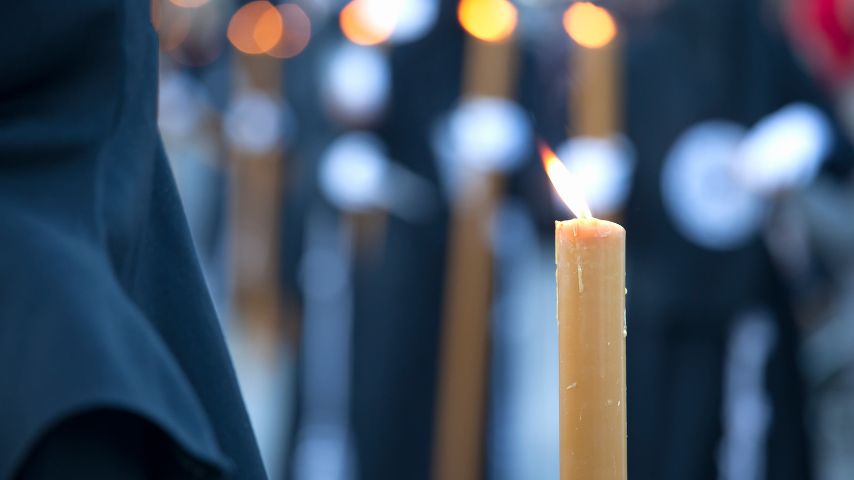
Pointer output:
594, 95
459, 445
590, 258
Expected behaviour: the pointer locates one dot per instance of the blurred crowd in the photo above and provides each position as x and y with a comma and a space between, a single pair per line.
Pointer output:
365, 197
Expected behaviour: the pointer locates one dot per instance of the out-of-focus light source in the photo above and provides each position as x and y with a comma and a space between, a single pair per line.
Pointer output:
488, 20
356, 83
480, 135
369, 22
202, 44
181, 104
268, 29
295, 34
354, 170
255, 28
603, 166
785, 149
566, 186
489, 134
172, 25
357, 175
417, 17
589, 25
254, 122
189, 3
702, 195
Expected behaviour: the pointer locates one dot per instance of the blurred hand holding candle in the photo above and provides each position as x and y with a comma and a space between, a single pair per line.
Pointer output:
590, 259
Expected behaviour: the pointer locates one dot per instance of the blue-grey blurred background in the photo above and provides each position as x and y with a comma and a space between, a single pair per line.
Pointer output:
375, 227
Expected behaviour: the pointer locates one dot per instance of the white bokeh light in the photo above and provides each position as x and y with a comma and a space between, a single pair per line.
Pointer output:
180, 105
253, 121
604, 168
490, 134
353, 171
785, 149
702, 194
356, 84
417, 18
482, 134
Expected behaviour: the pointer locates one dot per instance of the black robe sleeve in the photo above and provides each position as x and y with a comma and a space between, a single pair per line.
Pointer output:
109, 444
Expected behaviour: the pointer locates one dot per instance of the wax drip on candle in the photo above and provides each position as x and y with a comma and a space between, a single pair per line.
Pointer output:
578, 261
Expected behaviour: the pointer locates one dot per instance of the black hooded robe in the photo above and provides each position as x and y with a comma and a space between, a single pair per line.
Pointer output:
112, 362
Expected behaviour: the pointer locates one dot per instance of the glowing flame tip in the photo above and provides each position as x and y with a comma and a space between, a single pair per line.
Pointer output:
565, 184
589, 25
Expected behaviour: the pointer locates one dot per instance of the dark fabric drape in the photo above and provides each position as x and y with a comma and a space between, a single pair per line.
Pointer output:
102, 303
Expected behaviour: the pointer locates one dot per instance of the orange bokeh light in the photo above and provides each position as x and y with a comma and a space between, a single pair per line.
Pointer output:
589, 25
488, 20
369, 22
567, 186
268, 30
296, 34
255, 28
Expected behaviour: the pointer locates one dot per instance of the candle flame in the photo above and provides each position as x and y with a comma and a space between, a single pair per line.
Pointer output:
255, 28
487, 20
369, 22
296, 31
589, 25
565, 184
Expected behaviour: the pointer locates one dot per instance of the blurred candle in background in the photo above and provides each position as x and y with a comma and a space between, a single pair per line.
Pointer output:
489, 72
593, 92
591, 272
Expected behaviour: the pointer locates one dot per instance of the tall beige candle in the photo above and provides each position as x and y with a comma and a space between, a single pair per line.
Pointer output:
590, 255
591, 271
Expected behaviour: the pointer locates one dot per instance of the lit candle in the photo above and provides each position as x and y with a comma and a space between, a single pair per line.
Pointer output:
591, 271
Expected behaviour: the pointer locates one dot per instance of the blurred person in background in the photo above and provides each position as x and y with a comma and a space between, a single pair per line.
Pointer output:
818, 222
714, 388
112, 361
